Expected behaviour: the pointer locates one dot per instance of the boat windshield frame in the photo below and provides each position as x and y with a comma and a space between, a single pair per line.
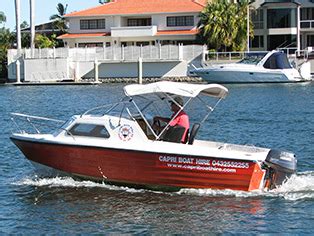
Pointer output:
252, 58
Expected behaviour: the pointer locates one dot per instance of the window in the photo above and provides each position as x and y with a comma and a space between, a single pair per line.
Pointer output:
281, 41
257, 18
307, 13
101, 24
142, 43
281, 18
89, 130
140, 22
307, 17
90, 45
93, 24
310, 40
258, 41
180, 21
277, 61
83, 24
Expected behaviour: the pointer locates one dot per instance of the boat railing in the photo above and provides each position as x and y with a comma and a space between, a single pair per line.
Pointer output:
35, 126
213, 56
109, 106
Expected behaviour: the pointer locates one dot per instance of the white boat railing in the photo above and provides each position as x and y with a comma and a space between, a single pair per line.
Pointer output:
30, 121
239, 55
227, 56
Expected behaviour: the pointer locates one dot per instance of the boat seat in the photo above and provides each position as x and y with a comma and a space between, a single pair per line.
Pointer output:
173, 134
193, 133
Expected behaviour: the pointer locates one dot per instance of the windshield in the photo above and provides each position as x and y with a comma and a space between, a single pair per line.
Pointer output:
252, 58
278, 60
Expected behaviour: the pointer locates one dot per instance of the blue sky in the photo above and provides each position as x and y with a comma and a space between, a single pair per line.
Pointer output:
43, 9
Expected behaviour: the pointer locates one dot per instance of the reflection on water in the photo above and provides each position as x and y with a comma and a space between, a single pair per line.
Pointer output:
113, 208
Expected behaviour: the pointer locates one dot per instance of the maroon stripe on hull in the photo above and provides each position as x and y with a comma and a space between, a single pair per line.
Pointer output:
145, 168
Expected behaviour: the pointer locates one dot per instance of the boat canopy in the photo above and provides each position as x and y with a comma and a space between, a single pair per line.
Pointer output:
177, 88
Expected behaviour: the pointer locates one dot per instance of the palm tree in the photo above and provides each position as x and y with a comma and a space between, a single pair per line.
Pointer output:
2, 17
223, 23
240, 41
59, 20
6, 41
217, 23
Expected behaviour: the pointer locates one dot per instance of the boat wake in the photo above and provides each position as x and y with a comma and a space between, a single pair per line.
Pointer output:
298, 187
68, 182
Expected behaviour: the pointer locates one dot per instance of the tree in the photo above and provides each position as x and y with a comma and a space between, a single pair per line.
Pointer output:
42, 41
240, 41
59, 20
223, 23
6, 41
2, 17
24, 24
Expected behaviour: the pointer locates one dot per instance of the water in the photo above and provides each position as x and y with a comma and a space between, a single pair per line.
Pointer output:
280, 116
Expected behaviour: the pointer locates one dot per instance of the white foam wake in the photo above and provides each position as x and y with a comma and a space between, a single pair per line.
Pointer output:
70, 183
300, 186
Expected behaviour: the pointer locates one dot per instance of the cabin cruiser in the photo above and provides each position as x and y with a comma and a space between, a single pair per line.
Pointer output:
255, 67
117, 143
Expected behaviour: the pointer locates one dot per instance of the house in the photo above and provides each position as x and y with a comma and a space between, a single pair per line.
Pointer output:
47, 28
277, 24
283, 24
134, 22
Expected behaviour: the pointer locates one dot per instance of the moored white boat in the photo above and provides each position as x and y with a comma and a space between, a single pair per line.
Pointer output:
255, 67
119, 145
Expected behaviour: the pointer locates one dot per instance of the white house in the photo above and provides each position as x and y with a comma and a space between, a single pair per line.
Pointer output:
134, 22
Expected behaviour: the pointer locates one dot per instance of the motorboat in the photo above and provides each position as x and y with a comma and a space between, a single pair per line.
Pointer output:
255, 67
118, 144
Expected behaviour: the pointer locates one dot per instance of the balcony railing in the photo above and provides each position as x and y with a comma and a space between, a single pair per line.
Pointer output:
307, 24
134, 31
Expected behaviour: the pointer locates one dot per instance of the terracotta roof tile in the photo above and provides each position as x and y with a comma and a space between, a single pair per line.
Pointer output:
178, 32
161, 32
70, 36
124, 7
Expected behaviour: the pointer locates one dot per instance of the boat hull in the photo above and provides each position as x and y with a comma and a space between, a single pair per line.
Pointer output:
229, 76
132, 167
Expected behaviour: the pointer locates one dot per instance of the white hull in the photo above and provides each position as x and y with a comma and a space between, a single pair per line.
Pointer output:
271, 67
229, 76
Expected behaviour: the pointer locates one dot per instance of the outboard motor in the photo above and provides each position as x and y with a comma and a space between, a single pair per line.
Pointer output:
280, 166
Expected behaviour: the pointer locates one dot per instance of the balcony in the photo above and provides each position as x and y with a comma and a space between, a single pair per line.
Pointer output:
134, 31
307, 25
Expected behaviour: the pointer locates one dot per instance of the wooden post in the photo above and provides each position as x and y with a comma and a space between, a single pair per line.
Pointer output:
140, 70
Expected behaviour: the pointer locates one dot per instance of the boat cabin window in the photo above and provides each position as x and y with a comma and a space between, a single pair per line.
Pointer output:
89, 130
252, 58
277, 61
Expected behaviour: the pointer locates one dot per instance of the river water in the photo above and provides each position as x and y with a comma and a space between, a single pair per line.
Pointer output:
274, 116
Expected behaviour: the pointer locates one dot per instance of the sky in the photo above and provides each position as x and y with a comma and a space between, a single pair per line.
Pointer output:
43, 9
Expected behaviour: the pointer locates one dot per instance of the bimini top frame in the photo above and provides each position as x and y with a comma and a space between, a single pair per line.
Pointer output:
170, 90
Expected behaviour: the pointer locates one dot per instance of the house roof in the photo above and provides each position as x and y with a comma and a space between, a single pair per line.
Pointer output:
127, 7
88, 35
177, 32
159, 33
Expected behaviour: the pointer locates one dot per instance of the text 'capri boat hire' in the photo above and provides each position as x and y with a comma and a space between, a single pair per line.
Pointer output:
117, 144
